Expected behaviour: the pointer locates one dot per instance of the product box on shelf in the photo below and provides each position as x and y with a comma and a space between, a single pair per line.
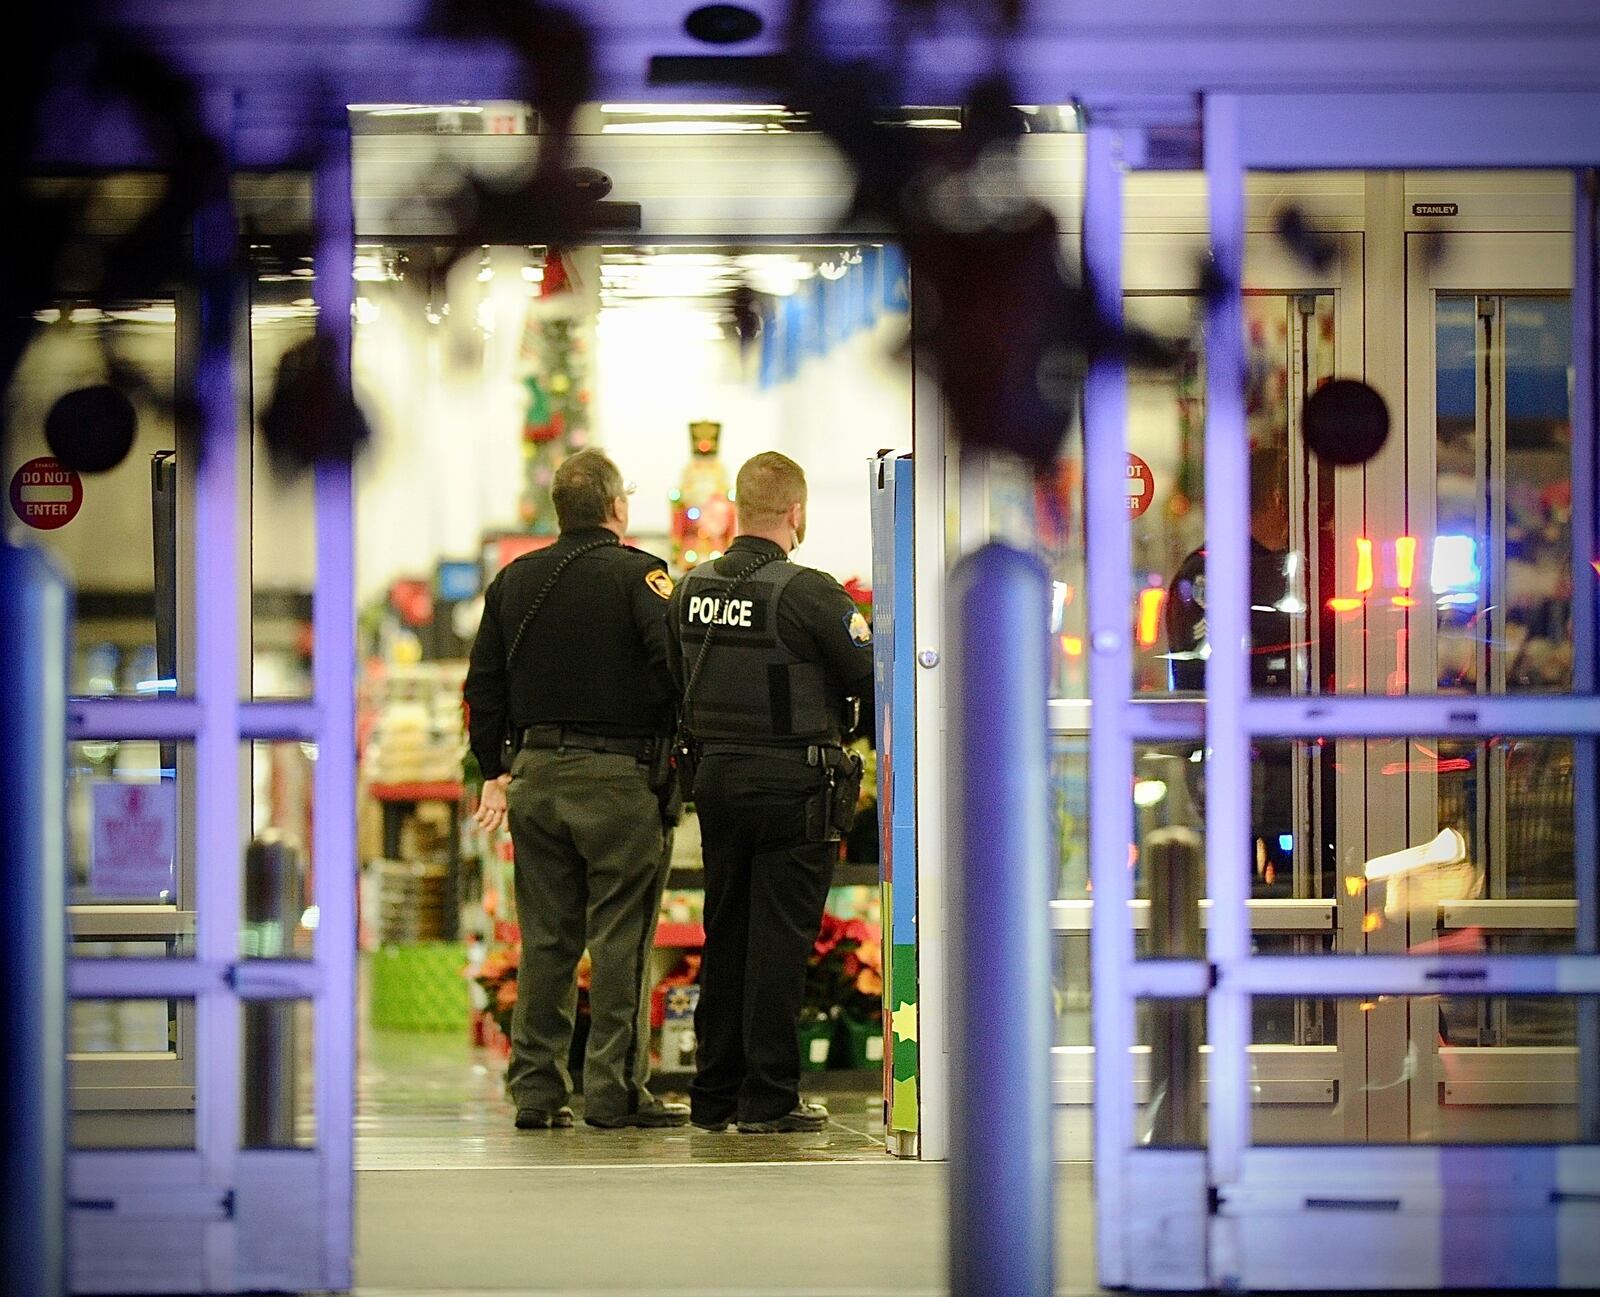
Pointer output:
677, 1032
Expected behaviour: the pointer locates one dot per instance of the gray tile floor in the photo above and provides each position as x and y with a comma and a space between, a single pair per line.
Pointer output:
450, 1198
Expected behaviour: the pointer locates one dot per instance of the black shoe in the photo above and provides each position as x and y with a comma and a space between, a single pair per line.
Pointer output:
805, 1119
716, 1125
540, 1119
658, 1116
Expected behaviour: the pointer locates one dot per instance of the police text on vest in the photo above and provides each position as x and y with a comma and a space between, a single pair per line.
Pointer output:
713, 610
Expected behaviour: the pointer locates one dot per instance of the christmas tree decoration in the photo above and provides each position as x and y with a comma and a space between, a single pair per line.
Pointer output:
702, 513
555, 382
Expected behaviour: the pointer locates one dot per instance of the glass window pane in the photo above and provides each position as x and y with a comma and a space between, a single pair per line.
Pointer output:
1168, 1070
114, 532
1069, 771
283, 317
130, 855
1500, 569
1422, 845
1071, 989
1448, 1070
278, 1074
280, 918
131, 1070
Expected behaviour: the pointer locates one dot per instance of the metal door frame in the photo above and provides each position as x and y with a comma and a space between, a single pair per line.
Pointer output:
1230, 1214
1487, 265
219, 1217
1160, 262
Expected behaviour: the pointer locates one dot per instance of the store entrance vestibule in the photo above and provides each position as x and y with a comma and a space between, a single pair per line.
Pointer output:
1467, 348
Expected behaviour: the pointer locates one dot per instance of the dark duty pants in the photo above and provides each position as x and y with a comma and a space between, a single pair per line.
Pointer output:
766, 887
589, 872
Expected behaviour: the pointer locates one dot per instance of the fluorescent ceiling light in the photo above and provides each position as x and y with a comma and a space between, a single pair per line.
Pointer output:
695, 110
412, 110
699, 126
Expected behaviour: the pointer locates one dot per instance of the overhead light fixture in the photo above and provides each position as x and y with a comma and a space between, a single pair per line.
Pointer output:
694, 110
697, 126
412, 110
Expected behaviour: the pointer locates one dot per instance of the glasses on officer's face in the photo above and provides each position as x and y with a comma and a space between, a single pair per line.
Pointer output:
628, 488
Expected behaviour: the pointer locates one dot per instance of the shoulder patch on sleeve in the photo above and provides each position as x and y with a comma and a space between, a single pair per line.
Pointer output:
659, 581
856, 626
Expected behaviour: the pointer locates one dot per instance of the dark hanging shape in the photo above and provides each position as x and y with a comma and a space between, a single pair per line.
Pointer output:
311, 416
723, 24
1346, 422
744, 306
91, 430
1312, 247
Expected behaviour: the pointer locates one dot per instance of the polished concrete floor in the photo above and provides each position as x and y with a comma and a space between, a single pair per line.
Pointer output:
450, 1198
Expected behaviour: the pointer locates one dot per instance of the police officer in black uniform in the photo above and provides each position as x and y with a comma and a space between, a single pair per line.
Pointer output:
768, 653
1272, 654
570, 665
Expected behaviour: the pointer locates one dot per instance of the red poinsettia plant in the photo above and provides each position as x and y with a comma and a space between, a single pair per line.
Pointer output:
497, 975
845, 973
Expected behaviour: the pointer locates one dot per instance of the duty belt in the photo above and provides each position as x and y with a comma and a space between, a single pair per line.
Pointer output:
825, 755
560, 737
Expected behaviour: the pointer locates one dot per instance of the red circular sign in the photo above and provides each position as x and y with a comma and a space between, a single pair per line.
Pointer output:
1141, 486
46, 494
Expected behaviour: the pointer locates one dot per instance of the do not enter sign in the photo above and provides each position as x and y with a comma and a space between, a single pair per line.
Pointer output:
1141, 486
46, 494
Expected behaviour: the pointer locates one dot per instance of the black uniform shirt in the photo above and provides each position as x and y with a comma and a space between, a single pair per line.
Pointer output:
819, 622
1269, 625
594, 658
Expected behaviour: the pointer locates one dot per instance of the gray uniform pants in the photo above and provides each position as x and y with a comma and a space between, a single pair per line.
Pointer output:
589, 872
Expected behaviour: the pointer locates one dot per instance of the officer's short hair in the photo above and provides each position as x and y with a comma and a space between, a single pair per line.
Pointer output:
583, 489
766, 487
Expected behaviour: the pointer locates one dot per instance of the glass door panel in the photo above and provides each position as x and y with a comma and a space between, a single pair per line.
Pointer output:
1491, 459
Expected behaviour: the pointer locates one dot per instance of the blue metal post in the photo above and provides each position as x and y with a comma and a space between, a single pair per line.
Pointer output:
33, 1009
1001, 1168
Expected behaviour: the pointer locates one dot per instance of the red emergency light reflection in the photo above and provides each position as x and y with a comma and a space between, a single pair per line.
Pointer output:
1405, 561
1363, 565
1151, 601
1441, 766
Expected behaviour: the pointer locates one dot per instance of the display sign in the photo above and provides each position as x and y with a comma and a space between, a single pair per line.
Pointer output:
456, 579
46, 494
1141, 486
134, 839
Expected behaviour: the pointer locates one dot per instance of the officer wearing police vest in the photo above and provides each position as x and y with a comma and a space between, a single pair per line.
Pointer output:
569, 684
769, 654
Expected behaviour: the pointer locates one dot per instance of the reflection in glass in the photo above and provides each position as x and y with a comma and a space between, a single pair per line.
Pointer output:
1071, 989
1500, 571
112, 548
280, 920
1461, 1070
277, 1074
1503, 831
283, 315
1290, 351
1169, 1033
1069, 793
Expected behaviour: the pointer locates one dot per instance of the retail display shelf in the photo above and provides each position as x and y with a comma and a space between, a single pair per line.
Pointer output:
440, 791
686, 936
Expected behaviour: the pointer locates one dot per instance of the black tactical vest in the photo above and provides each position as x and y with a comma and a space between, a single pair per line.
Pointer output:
753, 688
